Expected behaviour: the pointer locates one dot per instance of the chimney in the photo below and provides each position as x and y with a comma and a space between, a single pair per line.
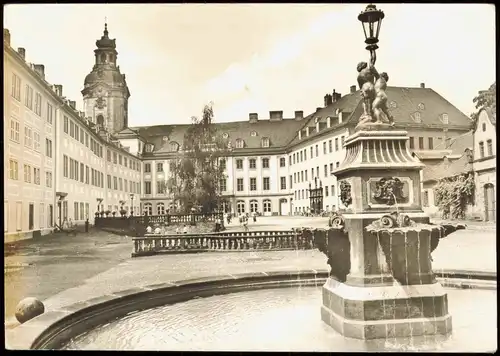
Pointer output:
40, 70
276, 115
22, 52
299, 115
327, 100
336, 96
59, 89
353, 89
72, 104
422, 85
6, 36
253, 118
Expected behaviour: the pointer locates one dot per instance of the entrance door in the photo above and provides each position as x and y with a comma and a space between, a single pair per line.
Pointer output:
31, 215
51, 216
489, 202
284, 207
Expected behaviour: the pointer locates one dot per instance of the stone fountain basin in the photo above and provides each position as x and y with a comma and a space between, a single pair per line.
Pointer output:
233, 312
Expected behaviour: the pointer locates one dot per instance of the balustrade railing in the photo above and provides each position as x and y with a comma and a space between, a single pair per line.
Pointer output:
170, 219
226, 241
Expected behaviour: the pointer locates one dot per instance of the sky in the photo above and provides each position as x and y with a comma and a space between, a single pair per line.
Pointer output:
256, 57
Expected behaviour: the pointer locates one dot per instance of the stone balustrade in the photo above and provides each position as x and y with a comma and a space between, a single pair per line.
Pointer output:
119, 222
152, 244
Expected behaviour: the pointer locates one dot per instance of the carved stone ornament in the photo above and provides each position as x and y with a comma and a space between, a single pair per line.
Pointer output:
388, 191
100, 103
345, 193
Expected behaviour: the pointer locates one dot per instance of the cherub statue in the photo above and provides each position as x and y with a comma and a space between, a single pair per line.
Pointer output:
379, 105
366, 80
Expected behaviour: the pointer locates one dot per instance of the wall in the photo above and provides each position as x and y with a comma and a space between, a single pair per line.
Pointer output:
27, 147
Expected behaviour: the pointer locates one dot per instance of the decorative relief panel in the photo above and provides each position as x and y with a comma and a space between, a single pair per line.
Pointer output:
384, 191
345, 193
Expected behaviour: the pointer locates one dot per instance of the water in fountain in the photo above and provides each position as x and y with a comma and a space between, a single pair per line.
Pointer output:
284, 319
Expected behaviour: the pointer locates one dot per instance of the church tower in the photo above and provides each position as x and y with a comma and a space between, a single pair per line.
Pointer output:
105, 92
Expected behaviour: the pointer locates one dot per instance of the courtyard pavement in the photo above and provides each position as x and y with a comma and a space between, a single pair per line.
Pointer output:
61, 269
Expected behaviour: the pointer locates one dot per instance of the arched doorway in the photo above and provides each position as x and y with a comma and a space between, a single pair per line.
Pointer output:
254, 206
240, 207
489, 202
284, 207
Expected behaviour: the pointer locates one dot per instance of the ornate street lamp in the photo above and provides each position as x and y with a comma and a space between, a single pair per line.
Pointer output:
371, 20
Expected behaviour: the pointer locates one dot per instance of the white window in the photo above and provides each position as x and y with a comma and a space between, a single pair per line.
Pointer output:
38, 104
28, 97
50, 113
240, 143
82, 211
14, 130
160, 209
267, 206
265, 142
16, 87
48, 148
36, 176
36, 145
48, 179
148, 208
445, 119
265, 183
240, 206
28, 137
254, 206
27, 173
42, 216
265, 162
13, 169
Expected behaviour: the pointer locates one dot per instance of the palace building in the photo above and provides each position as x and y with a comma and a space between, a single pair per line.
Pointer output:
61, 163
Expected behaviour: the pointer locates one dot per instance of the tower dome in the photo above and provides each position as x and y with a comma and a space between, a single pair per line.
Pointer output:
105, 91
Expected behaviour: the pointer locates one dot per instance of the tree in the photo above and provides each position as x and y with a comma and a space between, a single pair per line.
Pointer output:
485, 99
197, 170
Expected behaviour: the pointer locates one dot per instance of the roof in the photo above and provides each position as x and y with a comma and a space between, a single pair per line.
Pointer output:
448, 168
458, 144
279, 132
432, 154
403, 102
492, 115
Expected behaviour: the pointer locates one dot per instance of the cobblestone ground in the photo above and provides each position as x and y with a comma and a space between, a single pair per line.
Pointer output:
59, 269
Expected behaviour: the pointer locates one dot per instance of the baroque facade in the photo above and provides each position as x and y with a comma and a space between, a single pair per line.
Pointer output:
95, 160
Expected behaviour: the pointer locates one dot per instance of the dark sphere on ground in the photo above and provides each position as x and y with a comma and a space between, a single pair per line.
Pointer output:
29, 308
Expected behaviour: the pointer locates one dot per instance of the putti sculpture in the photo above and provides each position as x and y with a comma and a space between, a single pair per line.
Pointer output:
379, 245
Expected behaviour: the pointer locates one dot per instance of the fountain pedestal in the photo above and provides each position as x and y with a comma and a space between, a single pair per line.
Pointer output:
385, 241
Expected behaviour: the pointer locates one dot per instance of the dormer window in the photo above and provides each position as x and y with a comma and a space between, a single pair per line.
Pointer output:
240, 143
253, 133
265, 142
165, 138
421, 106
225, 135
444, 119
393, 104
149, 147
174, 146
417, 117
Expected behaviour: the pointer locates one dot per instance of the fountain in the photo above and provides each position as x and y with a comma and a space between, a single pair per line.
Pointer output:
379, 247
380, 291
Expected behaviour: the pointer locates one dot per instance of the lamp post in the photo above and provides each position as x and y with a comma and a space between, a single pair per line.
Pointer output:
131, 204
371, 19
